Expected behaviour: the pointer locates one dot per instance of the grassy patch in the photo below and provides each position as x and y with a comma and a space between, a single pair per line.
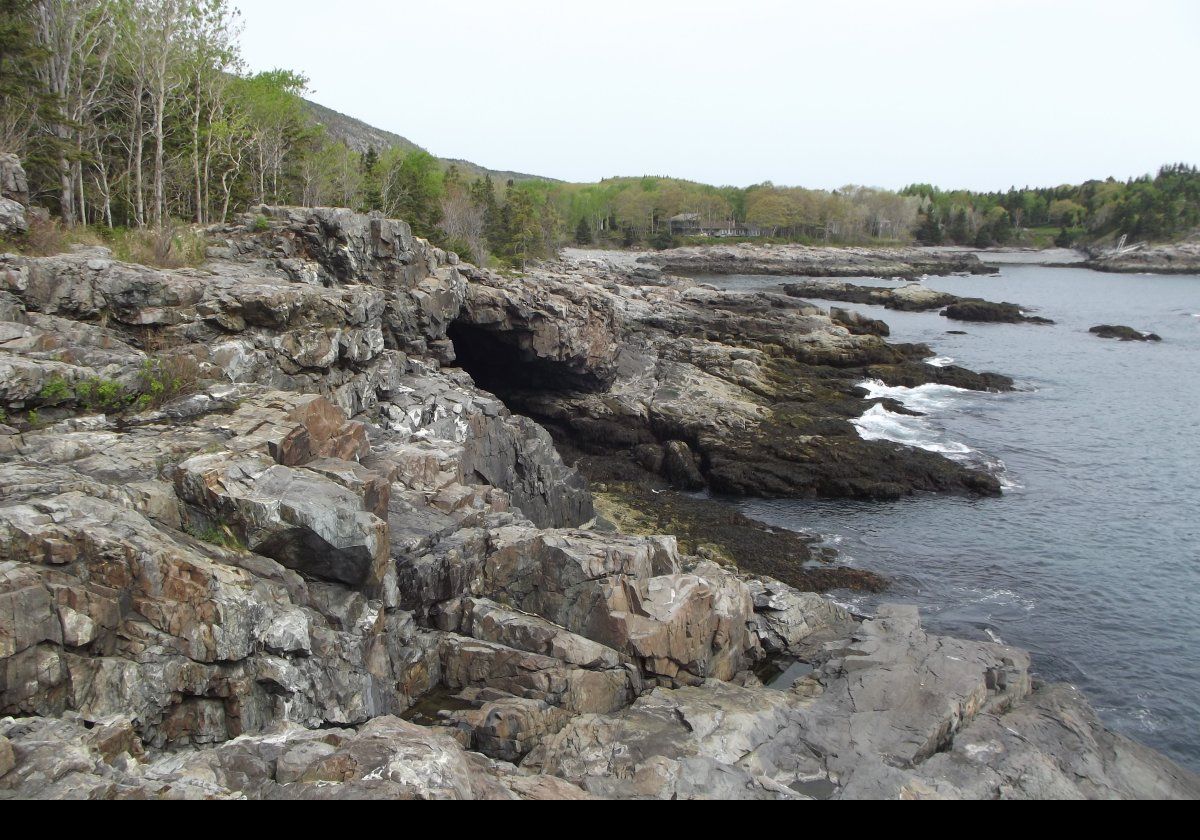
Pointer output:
171, 246
218, 535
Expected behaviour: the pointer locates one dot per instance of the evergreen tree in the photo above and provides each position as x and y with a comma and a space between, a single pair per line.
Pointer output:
23, 99
483, 193
960, 228
664, 239
930, 232
583, 233
372, 186
524, 230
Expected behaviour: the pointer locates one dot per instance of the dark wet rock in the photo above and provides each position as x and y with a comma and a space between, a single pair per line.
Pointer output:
909, 298
759, 386
680, 466
802, 260
988, 312
858, 323
915, 298
1122, 333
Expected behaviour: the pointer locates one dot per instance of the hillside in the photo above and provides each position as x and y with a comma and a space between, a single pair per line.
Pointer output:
361, 136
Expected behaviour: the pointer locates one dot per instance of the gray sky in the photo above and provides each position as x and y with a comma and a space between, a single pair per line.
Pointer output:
962, 93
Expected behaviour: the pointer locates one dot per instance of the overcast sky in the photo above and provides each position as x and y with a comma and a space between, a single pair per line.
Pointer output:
962, 93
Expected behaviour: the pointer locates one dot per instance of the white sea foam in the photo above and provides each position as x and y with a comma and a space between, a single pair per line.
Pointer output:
877, 423
927, 398
940, 362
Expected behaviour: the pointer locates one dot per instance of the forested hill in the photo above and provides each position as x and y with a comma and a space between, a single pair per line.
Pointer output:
361, 137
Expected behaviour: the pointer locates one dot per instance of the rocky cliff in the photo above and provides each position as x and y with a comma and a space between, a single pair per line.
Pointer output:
260, 537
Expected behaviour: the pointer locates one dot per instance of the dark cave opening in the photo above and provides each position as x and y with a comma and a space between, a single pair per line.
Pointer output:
499, 363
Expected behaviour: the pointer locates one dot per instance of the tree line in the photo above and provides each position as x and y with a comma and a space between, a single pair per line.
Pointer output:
134, 113
1159, 207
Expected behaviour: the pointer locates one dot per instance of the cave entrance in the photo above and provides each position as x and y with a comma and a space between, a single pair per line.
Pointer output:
502, 363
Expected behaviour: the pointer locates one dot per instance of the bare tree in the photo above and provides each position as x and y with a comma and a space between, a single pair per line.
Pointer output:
463, 220
78, 38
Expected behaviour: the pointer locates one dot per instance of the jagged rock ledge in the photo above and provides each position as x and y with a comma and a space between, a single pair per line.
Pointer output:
743, 393
806, 261
334, 567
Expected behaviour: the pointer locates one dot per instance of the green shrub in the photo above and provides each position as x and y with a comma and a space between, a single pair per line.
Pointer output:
165, 378
56, 390
261, 224
220, 536
97, 394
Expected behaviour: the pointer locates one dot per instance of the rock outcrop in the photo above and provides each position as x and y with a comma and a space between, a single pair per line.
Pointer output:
1122, 333
14, 196
805, 261
916, 298
1178, 258
892, 713
986, 311
746, 393
260, 538
911, 297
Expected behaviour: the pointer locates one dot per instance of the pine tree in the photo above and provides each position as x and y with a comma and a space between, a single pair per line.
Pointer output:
583, 233
372, 187
960, 228
930, 232
23, 99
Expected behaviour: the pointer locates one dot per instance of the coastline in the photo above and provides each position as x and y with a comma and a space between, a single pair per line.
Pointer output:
346, 520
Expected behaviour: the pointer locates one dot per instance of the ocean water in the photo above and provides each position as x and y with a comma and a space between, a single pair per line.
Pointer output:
1091, 559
